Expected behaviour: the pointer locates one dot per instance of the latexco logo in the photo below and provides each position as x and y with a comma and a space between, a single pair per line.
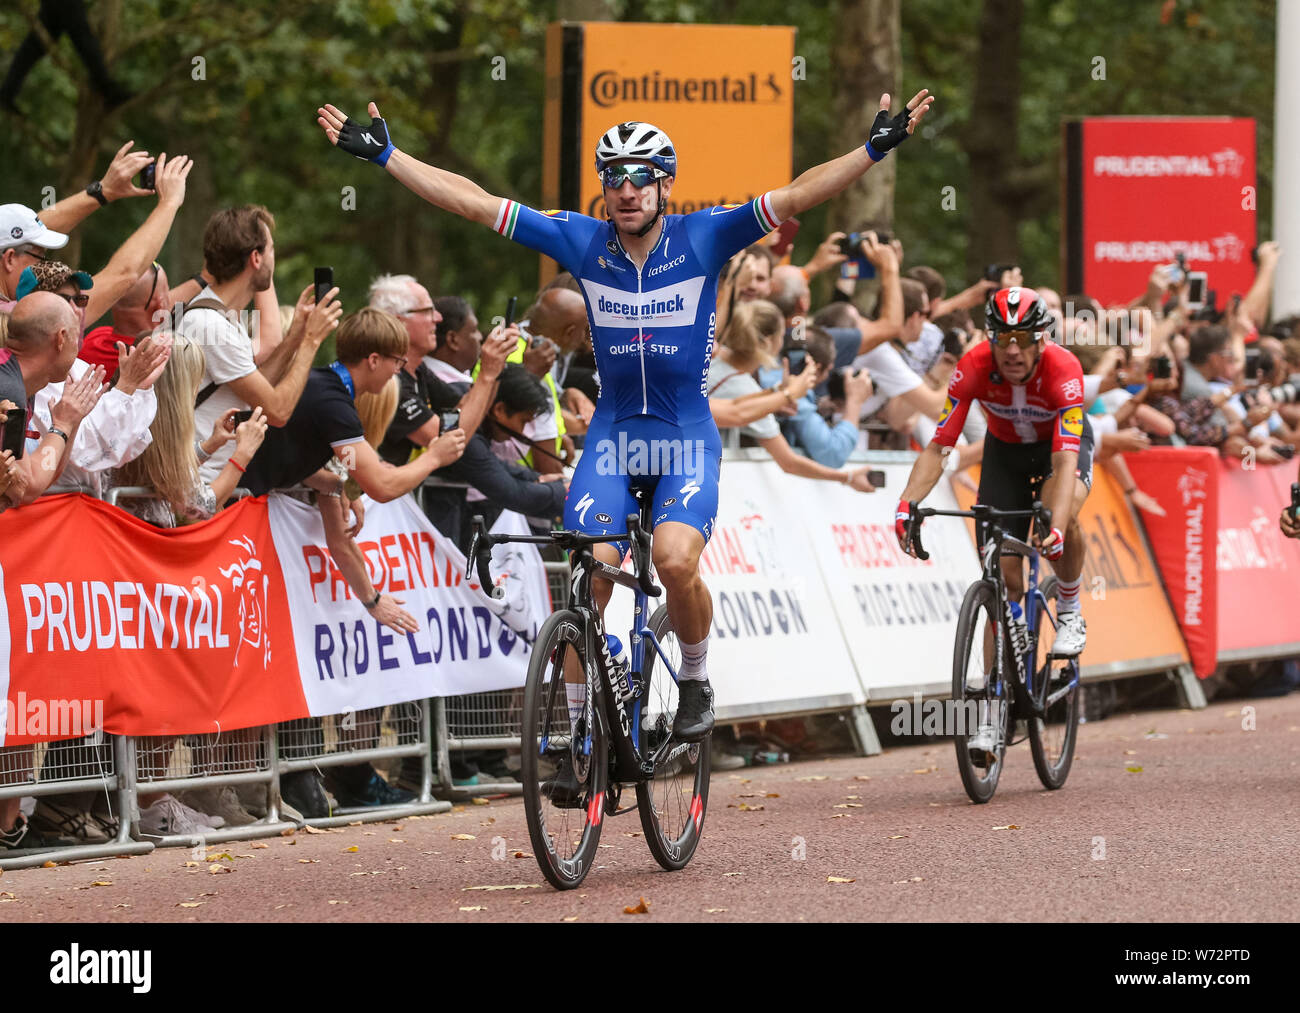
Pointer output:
75, 966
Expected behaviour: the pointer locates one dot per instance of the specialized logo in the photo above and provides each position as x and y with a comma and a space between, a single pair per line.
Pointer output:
583, 506
1072, 422
881, 133
687, 491
948, 407
670, 306
369, 138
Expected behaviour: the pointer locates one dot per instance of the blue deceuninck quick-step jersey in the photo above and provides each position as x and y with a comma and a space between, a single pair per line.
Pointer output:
652, 328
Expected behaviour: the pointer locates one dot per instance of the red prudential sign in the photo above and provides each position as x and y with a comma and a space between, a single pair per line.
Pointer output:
1145, 189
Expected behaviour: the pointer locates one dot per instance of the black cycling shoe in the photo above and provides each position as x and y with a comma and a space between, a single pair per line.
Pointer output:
564, 790
694, 718
303, 790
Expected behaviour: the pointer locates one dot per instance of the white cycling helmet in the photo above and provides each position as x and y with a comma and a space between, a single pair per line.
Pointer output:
637, 140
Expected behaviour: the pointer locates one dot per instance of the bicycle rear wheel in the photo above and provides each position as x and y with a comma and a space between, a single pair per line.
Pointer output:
975, 690
1052, 738
564, 831
673, 802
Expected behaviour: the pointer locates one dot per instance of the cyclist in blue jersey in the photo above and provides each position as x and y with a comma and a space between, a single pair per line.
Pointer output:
650, 283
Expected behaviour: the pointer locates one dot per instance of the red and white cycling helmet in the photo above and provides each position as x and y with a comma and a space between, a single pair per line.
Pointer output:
1018, 309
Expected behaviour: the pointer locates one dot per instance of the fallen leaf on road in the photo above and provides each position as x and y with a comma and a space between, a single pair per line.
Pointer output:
862, 777
309, 861
925, 770
49, 865
288, 832
642, 908
1009, 826
396, 840
480, 801
745, 807
731, 874
259, 845
6, 897
898, 837
632, 833
522, 854
507, 886
191, 865
217, 856
1134, 770
191, 904
340, 902
917, 879
1130, 752
292, 842
474, 907
714, 910
815, 777
220, 870
313, 830
840, 816
570, 918
462, 837
852, 796
101, 882
351, 851
839, 879
847, 805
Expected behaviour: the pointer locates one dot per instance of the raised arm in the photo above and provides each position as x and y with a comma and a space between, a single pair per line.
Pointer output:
439, 187
822, 182
117, 183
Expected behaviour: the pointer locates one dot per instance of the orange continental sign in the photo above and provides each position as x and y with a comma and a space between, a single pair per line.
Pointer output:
723, 93
1124, 602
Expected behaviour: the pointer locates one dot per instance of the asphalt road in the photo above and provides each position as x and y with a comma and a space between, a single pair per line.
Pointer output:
1167, 815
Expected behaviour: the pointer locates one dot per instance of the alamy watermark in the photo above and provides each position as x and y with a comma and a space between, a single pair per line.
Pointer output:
637, 458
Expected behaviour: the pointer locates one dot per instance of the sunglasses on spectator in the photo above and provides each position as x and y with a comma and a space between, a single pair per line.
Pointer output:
157, 267
640, 175
1025, 339
81, 299
34, 252
418, 310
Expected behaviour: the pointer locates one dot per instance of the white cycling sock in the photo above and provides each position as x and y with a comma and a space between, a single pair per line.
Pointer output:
1067, 595
693, 656
576, 694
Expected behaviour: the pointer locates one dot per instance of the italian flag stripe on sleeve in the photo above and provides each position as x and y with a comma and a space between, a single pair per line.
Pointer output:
763, 210
506, 218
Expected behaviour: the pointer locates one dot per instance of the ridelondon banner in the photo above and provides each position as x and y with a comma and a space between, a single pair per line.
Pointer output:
107, 622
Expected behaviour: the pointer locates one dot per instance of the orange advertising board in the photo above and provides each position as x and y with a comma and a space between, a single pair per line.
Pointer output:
1131, 626
723, 93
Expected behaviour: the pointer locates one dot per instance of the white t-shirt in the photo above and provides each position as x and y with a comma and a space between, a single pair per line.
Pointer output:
228, 354
890, 376
924, 352
727, 381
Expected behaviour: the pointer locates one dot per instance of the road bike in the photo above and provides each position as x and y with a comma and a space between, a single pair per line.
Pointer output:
1004, 674
624, 737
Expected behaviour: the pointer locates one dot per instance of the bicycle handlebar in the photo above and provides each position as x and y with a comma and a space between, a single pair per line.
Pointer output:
1042, 518
480, 555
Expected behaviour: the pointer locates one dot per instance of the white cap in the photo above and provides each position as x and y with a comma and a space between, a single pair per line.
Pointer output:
19, 225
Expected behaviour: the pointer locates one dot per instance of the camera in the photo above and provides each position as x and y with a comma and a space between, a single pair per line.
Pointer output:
1163, 367
148, 176
994, 272
447, 421
835, 382
954, 341
850, 243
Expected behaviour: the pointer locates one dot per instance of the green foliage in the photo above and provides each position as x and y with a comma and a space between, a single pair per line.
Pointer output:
250, 125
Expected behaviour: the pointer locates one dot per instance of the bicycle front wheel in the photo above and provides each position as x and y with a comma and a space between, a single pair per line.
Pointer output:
1056, 687
673, 802
563, 768
978, 694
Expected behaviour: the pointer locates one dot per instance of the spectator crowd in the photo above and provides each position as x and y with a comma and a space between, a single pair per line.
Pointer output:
194, 391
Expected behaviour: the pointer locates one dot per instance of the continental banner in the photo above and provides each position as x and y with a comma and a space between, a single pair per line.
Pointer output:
705, 85
1131, 627
112, 624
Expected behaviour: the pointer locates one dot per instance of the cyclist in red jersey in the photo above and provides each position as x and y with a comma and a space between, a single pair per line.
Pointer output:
1039, 443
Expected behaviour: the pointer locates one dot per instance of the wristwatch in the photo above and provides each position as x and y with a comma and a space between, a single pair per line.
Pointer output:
56, 431
372, 603
96, 190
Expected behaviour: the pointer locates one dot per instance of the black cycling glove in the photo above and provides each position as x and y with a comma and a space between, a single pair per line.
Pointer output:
887, 133
371, 143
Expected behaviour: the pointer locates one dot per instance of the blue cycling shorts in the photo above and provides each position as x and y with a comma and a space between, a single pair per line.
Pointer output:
678, 466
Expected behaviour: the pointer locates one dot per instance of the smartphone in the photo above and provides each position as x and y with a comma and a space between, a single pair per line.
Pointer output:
324, 282
1295, 501
786, 232
1196, 289
876, 478
1252, 365
148, 175
510, 310
1164, 367
238, 418
796, 358
954, 342
15, 435
447, 421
